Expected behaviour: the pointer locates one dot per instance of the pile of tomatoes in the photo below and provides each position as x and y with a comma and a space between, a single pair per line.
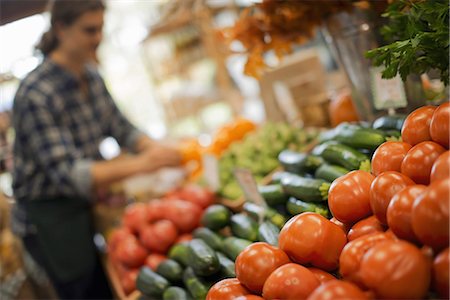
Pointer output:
149, 229
389, 236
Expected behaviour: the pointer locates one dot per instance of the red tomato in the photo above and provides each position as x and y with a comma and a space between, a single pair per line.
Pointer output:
311, 238
399, 212
131, 253
418, 162
416, 127
249, 297
117, 236
341, 225
227, 289
348, 197
154, 259
159, 236
439, 125
337, 289
389, 157
353, 252
197, 195
185, 215
383, 188
396, 269
440, 169
321, 275
135, 216
156, 209
290, 281
186, 237
128, 280
365, 226
430, 215
441, 273
256, 262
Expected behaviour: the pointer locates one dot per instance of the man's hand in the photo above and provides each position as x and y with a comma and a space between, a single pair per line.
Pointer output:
159, 156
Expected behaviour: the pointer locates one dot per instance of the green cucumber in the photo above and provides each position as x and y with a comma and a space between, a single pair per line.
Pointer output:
232, 246
226, 266
179, 253
296, 206
307, 189
313, 162
270, 214
268, 232
244, 227
292, 161
273, 194
277, 176
176, 293
216, 217
171, 270
389, 122
360, 138
150, 283
196, 286
202, 258
211, 238
342, 155
330, 172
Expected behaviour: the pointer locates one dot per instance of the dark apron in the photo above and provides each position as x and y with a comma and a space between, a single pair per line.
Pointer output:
65, 235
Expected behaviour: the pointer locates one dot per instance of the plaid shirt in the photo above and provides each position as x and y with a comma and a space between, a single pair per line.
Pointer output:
58, 132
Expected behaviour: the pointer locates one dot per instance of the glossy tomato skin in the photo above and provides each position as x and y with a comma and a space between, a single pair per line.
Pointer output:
441, 166
365, 226
227, 289
396, 270
383, 188
430, 215
249, 297
321, 275
290, 281
352, 254
154, 259
416, 127
159, 236
341, 225
441, 273
348, 197
256, 263
418, 162
309, 238
389, 157
131, 253
337, 289
439, 125
135, 216
399, 212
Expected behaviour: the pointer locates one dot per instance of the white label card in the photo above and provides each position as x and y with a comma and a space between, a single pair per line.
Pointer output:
387, 93
211, 171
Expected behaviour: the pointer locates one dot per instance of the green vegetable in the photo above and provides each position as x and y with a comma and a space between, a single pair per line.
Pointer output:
393, 122
179, 253
273, 194
150, 283
307, 189
216, 217
244, 227
296, 206
226, 266
345, 156
211, 238
202, 259
270, 214
268, 232
171, 270
232, 246
420, 34
330, 172
176, 293
196, 286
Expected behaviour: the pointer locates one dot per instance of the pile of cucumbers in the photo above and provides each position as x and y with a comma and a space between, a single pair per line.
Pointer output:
303, 184
193, 267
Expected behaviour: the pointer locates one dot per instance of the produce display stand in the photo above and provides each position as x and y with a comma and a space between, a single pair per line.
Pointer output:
114, 281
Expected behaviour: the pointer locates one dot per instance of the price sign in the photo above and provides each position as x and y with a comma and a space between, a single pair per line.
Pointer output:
211, 171
250, 189
388, 93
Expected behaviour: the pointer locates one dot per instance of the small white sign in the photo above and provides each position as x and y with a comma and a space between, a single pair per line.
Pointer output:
387, 93
211, 171
249, 187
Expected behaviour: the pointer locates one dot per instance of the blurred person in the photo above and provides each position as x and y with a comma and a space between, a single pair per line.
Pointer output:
62, 111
